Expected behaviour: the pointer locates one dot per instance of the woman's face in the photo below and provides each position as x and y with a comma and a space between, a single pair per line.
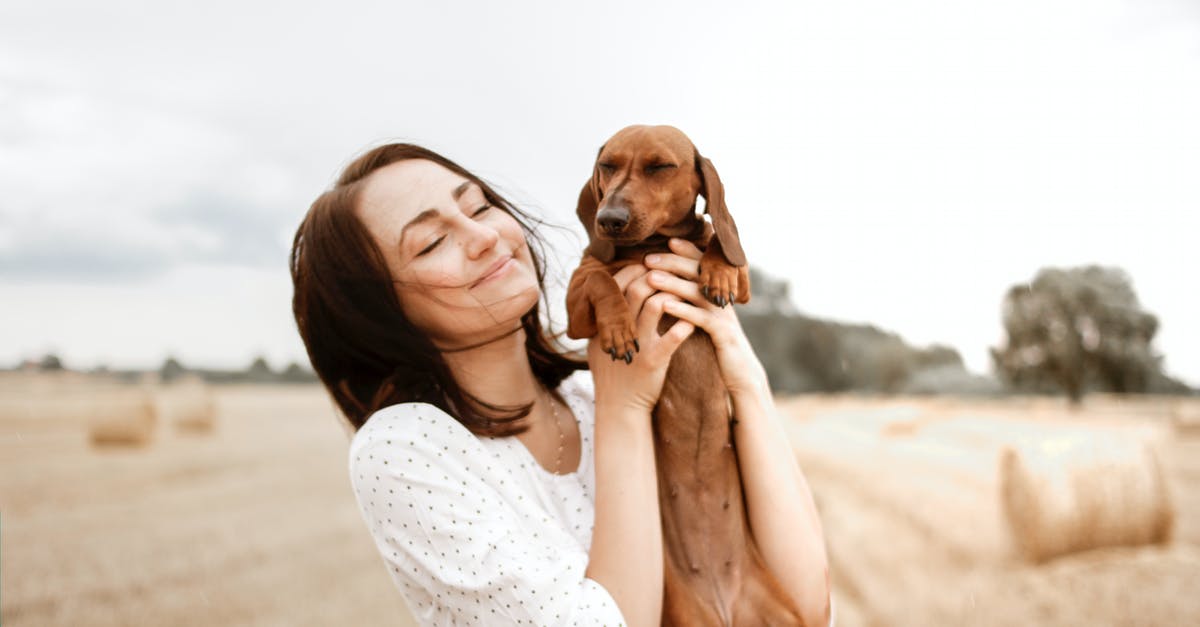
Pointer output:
462, 269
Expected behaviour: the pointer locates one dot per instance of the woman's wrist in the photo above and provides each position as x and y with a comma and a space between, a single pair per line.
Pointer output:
753, 391
623, 411
752, 379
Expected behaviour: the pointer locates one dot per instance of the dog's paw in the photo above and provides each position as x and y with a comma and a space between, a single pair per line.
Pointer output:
618, 338
719, 281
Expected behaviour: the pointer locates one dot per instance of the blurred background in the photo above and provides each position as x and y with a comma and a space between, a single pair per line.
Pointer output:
971, 230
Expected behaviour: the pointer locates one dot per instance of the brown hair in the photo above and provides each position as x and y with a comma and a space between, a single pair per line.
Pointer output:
367, 353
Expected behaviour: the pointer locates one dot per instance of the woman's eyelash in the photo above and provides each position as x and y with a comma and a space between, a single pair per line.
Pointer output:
437, 241
431, 246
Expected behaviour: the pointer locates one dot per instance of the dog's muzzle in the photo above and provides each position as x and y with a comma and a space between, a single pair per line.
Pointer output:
612, 220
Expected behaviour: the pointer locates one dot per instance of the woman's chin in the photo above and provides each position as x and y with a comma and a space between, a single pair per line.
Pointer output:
512, 302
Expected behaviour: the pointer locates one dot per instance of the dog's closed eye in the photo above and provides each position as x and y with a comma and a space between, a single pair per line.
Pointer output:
658, 167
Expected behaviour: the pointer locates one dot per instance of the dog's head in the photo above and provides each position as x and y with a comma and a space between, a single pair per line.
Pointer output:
645, 182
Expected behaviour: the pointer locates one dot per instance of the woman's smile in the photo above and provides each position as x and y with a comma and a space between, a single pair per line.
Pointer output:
505, 266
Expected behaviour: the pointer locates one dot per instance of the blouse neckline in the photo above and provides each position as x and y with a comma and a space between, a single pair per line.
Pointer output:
569, 396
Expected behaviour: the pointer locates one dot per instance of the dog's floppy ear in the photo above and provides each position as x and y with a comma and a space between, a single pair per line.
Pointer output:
723, 226
589, 202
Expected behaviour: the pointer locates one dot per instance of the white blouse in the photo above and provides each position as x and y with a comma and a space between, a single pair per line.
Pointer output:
472, 528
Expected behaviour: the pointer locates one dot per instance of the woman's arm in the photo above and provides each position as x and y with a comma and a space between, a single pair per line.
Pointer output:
626, 556
783, 516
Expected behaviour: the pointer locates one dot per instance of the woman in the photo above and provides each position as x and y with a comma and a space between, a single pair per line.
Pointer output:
501, 483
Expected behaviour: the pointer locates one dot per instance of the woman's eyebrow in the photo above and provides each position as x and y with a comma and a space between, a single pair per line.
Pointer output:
430, 214
461, 189
424, 216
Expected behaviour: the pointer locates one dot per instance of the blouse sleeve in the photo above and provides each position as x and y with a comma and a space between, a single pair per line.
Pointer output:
419, 479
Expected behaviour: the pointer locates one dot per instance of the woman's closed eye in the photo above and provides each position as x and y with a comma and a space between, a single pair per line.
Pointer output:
437, 241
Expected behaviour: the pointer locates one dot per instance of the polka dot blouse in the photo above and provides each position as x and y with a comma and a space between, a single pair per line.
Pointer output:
473, 530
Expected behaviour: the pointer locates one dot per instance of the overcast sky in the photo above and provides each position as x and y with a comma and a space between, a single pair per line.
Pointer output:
899, 163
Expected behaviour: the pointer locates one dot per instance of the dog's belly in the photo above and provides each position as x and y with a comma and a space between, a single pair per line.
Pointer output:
700, 494
714, 574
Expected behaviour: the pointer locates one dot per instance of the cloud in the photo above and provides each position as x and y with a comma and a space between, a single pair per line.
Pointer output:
102, 188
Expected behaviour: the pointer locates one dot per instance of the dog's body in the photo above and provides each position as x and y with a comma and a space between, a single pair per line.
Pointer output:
643, 190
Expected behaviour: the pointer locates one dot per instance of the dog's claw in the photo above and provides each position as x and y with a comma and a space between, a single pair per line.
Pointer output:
636, 347
704, 290
721, 302
628, 357
731, 297
612, 352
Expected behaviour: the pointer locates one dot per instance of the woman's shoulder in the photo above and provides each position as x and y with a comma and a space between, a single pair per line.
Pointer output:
416, 428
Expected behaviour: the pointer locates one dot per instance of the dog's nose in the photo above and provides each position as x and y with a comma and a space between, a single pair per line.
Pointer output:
613, 219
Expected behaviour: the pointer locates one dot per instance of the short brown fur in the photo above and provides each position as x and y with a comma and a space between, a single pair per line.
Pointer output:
714, 573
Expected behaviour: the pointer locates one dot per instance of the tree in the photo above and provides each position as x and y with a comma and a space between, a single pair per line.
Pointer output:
171, 370
259, 370
1075, 329
295, 373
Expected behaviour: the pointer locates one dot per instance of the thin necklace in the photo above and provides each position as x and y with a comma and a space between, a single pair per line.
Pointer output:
561, 437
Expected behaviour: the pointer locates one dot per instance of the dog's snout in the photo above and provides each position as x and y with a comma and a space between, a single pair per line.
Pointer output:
613, 219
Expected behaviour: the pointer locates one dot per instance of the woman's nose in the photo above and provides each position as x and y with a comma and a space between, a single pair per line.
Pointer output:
480, 238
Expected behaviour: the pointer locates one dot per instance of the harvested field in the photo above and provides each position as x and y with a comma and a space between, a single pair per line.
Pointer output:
910, 496
250, 519
252, 523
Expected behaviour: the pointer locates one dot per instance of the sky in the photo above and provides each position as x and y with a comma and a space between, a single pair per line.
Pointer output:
898, 163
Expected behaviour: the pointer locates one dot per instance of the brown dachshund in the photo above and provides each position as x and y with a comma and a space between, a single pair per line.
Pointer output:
643, 191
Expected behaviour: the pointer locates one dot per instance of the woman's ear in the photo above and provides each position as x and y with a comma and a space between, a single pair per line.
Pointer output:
723, 225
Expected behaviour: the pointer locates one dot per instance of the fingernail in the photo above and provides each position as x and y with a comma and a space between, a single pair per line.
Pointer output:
653, 258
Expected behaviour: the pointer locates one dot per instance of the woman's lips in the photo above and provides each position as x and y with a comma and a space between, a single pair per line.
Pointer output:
500, 268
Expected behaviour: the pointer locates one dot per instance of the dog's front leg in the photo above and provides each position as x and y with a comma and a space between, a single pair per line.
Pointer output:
720, 281
596, 308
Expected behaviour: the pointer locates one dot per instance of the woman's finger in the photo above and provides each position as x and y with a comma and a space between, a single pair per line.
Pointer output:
651, 313
695, 315
685, 248
680, 331
636, 294
687, 290
627, 274
685, 267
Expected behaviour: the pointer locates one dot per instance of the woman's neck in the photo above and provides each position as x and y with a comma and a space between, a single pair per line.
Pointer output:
497, 372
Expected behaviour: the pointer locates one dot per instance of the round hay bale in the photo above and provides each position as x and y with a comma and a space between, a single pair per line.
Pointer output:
122, 419
189, 406
911, 426
1185, 417
1067, 494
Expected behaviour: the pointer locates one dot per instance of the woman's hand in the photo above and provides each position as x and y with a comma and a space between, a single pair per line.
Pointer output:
676, 273
637, 385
